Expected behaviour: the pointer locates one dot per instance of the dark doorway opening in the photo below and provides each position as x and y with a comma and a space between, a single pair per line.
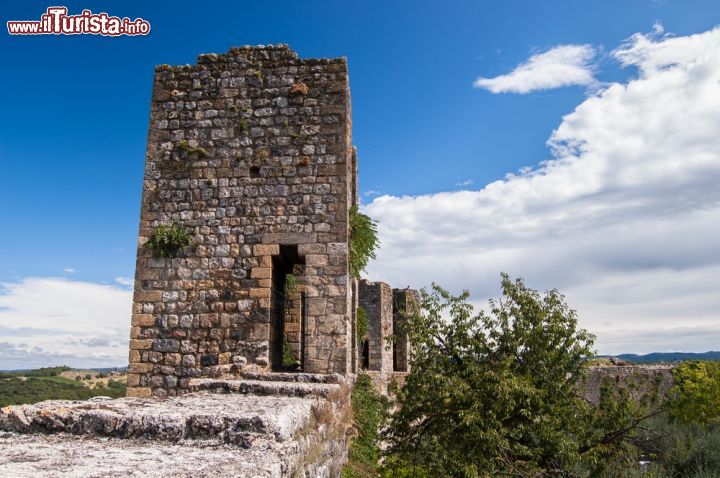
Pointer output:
365, 354
282, 265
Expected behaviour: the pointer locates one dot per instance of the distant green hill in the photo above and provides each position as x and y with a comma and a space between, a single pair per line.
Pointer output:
31, 386
666, 356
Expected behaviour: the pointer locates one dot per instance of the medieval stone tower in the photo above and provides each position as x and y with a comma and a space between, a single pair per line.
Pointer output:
251, 152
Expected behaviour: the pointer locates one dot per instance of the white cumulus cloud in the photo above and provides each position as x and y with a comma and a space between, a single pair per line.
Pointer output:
55, 321
563, 65
624, 218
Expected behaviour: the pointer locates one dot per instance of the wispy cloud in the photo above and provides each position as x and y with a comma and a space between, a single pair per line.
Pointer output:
371, 192
624, 219
69, 270
563, 65
54, 321
124, 281
467, 182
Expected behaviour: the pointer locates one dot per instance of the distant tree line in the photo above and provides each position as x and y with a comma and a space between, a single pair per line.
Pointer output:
40, 372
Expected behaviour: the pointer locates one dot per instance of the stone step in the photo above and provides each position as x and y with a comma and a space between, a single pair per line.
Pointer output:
234, 419
265, 387
294, 377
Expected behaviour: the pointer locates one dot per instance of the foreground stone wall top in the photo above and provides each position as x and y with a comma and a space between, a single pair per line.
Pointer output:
285, 425
251, 152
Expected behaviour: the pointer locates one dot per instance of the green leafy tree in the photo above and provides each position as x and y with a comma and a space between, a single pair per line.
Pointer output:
496, 394
695, 398
363, 241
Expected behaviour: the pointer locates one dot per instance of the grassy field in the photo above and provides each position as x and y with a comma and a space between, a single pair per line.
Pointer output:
31, 386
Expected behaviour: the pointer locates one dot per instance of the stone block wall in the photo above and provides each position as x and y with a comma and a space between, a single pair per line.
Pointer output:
641, 380
250, 151
405, 303
377, 300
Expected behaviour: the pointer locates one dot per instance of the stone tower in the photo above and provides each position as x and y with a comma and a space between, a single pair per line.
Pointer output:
250, 151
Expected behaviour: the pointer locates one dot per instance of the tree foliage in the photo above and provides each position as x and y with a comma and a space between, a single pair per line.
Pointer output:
496, 394
695, 398
676, 449
38, 372
363, 241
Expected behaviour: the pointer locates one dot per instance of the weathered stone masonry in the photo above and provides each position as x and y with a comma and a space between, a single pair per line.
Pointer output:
376, 299
387, 310
251, 151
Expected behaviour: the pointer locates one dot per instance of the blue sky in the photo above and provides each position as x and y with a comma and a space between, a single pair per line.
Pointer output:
73, 132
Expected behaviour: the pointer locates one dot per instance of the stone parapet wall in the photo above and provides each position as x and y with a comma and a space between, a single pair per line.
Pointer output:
387, 310
377, 300
641, 379
251, 152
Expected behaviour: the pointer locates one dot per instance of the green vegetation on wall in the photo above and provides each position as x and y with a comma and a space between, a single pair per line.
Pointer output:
289, 361
363, 241
167, 241
361, 324
291, 283
185, 147
369, 413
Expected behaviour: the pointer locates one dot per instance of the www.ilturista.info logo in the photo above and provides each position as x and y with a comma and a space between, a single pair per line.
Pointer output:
57, 22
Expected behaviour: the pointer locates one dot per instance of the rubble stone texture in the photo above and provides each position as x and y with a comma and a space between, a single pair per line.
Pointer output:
251, 152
